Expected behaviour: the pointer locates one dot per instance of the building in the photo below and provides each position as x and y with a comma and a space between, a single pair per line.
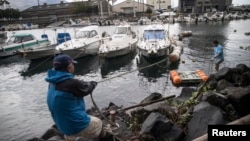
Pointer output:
131, 7
160, 4
46, 14
201, 6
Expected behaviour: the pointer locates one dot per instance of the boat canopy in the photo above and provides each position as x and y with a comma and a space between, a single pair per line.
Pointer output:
154, 34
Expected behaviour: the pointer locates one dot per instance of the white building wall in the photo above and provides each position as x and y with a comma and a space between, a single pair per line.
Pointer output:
160, 4
129, 5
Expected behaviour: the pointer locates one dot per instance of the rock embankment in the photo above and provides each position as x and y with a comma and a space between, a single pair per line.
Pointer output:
222, 99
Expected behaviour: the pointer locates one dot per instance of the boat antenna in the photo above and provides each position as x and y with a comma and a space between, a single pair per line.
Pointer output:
168, 23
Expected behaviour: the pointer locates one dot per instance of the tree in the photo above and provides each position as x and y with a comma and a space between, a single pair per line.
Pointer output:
80, 8
148, 11
4, 1
10, 14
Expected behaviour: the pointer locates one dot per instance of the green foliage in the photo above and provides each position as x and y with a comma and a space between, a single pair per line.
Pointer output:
81, 8
10, 14
149, 10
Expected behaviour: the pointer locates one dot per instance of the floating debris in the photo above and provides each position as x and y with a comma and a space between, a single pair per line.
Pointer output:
245, 48
247, 33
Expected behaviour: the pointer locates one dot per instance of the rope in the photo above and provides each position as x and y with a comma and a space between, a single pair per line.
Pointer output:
112, 123
93, 101
132, 71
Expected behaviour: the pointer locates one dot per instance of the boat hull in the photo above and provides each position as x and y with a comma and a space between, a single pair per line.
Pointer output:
159, 53
118, 52
38, 53
81, 52
11, 50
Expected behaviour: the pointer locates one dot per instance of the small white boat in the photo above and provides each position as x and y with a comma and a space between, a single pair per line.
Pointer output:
154, 41
86, 42
22, 42
144, 21
48, 51
123, 41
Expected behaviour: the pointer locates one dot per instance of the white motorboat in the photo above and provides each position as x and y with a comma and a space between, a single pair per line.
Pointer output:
22, 42
154, 41
123, 41
86, 42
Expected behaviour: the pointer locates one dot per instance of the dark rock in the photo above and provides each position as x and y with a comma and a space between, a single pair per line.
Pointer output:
222, 84
245, 79
175, 134
35, 139
240, 99
212, 84
211, 77
151, 97
216, 99
224, 73
141, 114
156, 124
242, 68
185, 94
52, 132
204, 114
235, 76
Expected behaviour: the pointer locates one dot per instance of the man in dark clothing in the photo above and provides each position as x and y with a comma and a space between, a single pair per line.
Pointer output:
66, 103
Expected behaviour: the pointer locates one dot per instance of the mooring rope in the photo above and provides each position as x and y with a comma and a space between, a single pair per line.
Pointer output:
103, 80
94, 103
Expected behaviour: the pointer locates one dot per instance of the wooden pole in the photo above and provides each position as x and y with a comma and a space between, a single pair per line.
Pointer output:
145, 104
240, 121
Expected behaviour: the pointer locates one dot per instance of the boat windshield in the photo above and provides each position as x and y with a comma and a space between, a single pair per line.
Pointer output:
82, 34
120, 30
15, 40
154, 34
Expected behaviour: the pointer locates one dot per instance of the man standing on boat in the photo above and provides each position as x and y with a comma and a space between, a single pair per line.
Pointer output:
66, 103
218, 55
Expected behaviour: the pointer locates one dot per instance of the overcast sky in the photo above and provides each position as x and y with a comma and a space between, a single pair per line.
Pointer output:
23, 4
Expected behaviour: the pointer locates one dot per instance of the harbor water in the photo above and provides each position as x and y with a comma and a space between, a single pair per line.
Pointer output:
23, 110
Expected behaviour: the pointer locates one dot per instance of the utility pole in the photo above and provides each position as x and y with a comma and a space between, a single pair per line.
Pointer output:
100, 5
109, 8
159, 4
134, 8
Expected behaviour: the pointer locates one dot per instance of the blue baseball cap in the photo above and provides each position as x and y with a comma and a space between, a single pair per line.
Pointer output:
62, 61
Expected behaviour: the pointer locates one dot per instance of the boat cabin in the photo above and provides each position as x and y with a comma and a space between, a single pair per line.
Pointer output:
154, 32
20, 38
123, 30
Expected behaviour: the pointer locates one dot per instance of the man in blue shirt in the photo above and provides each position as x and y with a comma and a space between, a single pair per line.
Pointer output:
66, 103
218, 55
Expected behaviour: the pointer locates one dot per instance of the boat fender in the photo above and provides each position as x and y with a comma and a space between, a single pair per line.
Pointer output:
179, 43
174, 57
175, 77
202, 75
